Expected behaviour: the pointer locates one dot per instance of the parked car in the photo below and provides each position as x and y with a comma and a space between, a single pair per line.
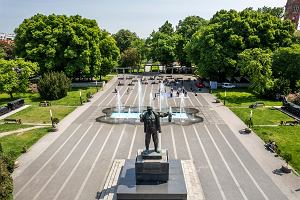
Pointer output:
228, 85
200, 85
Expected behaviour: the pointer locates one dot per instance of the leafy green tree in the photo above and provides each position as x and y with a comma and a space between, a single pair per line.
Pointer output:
130, 58
124, 39
257, 64
166, 28
110, 55
54, 85
162, 47
275, 11
286, 62
2, 53
15, 74
215, 48
185, 29
62, 43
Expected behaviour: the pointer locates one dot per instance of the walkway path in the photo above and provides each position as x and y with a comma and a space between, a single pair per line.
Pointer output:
22, 130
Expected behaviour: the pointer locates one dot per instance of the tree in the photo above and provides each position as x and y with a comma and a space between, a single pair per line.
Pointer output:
256, 63
15, 74
286, 62
110, 55
7, 48
166, 28
275, 11
2, 53
62, 43
124, 39
54, 85
185, 29
130, 58
215, 48
162, 47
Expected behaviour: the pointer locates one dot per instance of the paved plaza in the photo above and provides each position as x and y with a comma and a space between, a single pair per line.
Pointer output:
77, 162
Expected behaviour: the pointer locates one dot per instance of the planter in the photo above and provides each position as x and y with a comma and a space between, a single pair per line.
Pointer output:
286, 169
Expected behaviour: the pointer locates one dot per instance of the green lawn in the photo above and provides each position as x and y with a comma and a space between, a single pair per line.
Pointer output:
242, 97
13, 144
36, 114
286, 137
261, 116
11, 127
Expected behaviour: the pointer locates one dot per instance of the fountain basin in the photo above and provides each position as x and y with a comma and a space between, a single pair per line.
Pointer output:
131, 115
117, 115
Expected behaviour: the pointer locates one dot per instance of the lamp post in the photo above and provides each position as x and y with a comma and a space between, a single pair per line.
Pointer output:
51, 117
96, 86
80, 97
225, 98
250, 120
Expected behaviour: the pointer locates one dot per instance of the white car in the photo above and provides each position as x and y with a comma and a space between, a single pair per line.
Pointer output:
228, 85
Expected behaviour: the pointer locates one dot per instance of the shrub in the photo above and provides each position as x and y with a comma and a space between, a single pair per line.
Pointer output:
6, 182
54, 85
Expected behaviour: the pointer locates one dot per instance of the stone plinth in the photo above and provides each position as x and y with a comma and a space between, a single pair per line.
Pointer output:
151, 167
173, 189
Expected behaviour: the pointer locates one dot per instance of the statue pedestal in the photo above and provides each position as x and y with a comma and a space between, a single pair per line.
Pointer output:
152, 167
174, 189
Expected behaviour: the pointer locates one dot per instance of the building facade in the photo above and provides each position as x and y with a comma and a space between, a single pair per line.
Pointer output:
292, 11
7, 36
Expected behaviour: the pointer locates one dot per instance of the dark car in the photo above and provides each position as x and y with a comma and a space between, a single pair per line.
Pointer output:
200, 85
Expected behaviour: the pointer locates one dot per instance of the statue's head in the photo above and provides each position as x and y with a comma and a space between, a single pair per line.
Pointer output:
149, 109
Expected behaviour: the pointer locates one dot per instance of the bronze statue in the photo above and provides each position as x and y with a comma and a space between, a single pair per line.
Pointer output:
151, 127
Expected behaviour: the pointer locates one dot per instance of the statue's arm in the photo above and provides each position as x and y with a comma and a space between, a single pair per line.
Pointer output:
141, 117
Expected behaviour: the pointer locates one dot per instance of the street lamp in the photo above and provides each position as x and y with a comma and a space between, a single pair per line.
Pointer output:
96, 86
51, 117
80, 97
225, 98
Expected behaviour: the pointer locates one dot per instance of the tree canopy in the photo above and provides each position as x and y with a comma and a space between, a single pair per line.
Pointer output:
215, 48
61, 43
286, 62
162, 47
15, 74
125, 39
256, 64
185, 30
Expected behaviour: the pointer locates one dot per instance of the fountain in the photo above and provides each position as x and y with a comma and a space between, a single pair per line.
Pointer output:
130, 115
140, 95
119, 104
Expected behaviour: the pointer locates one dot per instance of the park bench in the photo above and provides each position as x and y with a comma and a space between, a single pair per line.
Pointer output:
16, 121
45, 103
15, 104
4, 110
271, 146
289, 123
257, 104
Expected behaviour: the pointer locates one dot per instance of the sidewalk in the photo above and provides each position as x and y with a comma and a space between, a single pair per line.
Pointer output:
21, 130
27, 158
288, 183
